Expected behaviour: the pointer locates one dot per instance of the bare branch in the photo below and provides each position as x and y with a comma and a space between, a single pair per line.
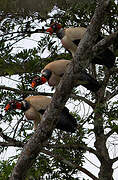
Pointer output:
10, 140
104, 43
77, 97
14, 144
114, 160
103, 86
23, 32
109, 134
17, 91
113, 94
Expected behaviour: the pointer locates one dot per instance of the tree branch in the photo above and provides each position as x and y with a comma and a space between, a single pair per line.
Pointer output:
17, 68
10, 140
23, 32
114, 93
64, 89
19, 144
109, 134
14, 144
100, 94
77, 97
104, 43
27, 92
114, 160
28, 66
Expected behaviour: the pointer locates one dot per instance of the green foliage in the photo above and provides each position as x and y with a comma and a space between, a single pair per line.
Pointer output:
5, 169
67, 146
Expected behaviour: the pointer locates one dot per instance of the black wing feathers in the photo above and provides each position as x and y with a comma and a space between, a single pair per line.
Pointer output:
89, 82
66, 121
106, 58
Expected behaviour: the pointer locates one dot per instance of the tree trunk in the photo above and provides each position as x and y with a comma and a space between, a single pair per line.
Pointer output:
106, 170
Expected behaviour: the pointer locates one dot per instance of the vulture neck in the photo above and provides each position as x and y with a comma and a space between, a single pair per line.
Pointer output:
60, 33
25, 105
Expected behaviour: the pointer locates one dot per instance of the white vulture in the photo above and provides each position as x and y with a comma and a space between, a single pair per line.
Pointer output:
35, 106
55, 70
70, 38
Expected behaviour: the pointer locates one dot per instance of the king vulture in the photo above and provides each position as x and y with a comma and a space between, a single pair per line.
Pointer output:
70, 38
35, 106
53, 72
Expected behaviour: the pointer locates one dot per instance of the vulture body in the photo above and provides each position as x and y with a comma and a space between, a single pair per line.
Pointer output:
70, 38
55, 70
35, 106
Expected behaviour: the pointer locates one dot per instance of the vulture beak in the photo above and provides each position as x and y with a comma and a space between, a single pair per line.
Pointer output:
38, 81
33, 84
50, 30
13, 105
43, 80
7, 107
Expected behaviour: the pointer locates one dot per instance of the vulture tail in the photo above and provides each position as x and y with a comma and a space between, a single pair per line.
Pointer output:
89, 82
66, 121
106, 58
